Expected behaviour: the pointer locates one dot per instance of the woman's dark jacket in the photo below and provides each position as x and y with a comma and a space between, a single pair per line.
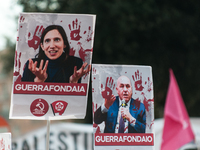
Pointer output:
58, 71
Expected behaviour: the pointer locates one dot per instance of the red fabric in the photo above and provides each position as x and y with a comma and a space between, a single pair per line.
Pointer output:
177, 130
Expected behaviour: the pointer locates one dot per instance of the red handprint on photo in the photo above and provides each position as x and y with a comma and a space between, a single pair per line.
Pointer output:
89, 34
107, 93
35, 41
138, 81
83, 53
146, 102
75, 30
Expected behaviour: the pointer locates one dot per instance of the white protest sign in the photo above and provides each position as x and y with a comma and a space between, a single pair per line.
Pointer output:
5, 141
52, 63
123, 107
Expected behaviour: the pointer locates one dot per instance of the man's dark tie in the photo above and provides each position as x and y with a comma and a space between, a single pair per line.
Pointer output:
121, 125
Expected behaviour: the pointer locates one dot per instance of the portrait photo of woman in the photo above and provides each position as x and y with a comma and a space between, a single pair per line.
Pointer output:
53, 62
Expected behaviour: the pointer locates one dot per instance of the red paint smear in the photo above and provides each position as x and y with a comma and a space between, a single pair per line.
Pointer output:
93, 107
22, 19
149, 85
18, 78
151, 125
141, 113
126, 128
72, 51
136, 103
152, 122
82, 52
146, 103
94, 70
86, 75
98, 128
15, 58
19, 62
89, 36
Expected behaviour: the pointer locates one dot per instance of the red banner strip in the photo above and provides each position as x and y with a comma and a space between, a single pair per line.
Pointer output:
124, 139
50, 88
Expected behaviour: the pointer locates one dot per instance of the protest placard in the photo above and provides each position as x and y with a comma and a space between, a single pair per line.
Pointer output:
52, 66
123, 107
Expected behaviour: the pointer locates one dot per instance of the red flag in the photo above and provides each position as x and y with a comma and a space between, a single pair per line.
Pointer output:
177, 130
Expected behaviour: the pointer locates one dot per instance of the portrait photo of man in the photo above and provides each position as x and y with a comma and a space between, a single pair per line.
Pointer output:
121, 113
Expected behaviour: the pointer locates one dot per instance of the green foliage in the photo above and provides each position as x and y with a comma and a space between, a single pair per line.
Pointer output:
7, 58
162, 34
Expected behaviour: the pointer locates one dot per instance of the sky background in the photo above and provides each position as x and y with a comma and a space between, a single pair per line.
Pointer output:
9, 12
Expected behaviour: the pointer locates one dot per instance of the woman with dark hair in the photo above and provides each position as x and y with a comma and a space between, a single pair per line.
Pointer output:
53, 63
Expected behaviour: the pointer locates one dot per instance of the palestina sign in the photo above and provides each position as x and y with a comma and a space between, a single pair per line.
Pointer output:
52, 66
63, 136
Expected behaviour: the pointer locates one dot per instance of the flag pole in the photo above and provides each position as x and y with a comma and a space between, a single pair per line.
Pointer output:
47, 135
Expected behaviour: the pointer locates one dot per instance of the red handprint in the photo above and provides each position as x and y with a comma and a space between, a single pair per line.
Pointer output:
146, 102
89, 35
75, 32
35, 41
138, 81
107, 93
83, 53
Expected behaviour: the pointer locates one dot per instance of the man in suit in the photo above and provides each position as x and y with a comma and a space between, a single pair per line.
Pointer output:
122, 114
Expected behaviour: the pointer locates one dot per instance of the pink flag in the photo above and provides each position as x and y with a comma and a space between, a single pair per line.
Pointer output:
177, 130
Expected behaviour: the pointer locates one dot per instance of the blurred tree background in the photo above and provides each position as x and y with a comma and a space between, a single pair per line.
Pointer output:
162, 34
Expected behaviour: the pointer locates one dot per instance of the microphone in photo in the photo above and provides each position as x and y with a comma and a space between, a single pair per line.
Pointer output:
124, 105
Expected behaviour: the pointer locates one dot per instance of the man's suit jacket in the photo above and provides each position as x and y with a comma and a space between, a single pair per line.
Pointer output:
136, 109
